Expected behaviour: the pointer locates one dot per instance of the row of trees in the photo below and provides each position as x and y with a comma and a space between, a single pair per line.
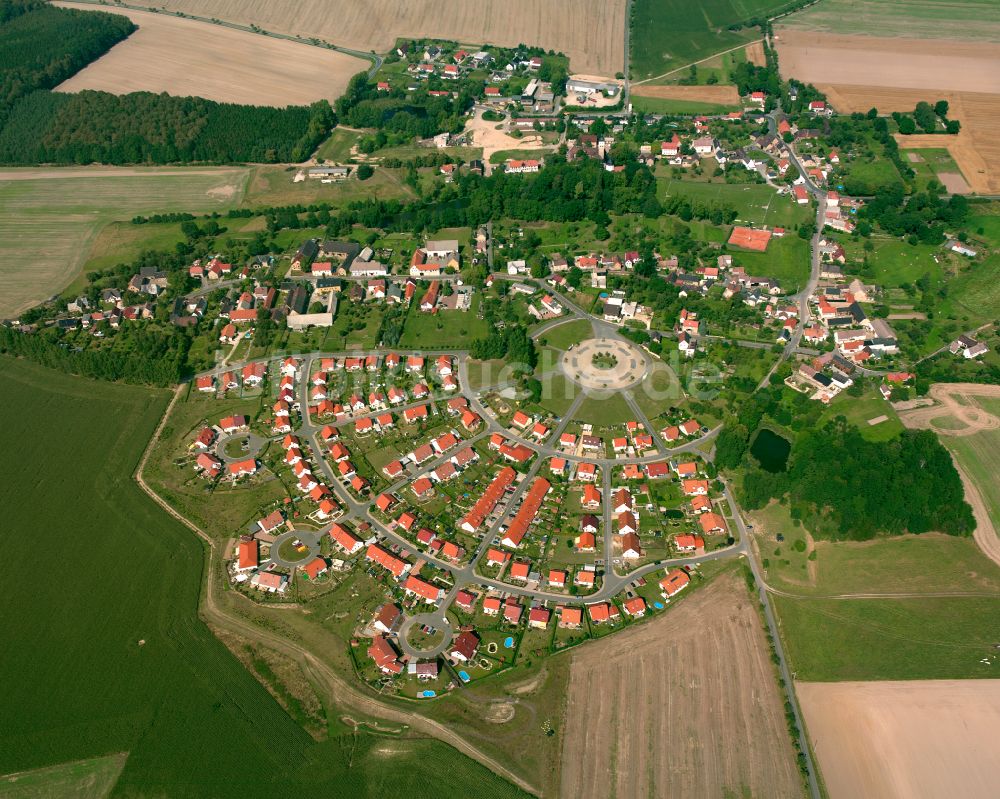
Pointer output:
142, 127
149, 359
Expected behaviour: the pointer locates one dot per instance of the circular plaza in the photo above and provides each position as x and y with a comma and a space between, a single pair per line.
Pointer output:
605, 364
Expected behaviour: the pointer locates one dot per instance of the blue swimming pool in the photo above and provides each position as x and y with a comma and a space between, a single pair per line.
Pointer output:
658, 605
508, 642
427, 694
464, 675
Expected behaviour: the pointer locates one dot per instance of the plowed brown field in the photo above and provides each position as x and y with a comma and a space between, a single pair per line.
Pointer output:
590, 32
685, 705
723, 95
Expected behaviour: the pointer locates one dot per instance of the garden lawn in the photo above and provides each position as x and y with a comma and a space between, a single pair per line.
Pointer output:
444, 329
564, 336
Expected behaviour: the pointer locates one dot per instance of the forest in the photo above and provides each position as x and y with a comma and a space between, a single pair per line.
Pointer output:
842, 485
41, 46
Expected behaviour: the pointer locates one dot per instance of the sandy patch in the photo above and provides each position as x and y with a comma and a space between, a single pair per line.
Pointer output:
914, 158
722, 95
188, 57
685, 705
935, 739
492, 137
590, 32
755, 54
953, 182
878, 420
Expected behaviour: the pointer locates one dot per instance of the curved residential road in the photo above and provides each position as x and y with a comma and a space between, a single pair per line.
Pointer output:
339, 690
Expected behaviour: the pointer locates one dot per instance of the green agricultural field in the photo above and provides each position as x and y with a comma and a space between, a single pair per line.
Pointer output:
920, 638
979, 455
338, 147
666, 35
125, 664
83, 779
873, 176
564, 336
923, 19
663, 105
787, 260
273, 185
51, 217
754, 203
976, 292
896, 262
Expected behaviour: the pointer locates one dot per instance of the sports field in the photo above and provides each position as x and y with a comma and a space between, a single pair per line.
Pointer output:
51, 217
590, 32
754, 203
667, 34
189, 57
124, 664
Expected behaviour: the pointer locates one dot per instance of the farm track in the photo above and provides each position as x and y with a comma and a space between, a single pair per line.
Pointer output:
336, 689
976, 420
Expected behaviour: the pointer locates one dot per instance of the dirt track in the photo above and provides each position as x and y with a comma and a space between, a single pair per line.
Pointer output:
972, 417
189, 57
975, 420
724, 95
934, 739
684, 706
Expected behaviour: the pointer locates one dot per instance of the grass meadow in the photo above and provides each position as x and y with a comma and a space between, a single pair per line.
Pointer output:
666, 34
664, 105
104, 643
50, 222
977, 20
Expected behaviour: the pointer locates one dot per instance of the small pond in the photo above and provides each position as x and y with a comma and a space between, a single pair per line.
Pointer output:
771, 450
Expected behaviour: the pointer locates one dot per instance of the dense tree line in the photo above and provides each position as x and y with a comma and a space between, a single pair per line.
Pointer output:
154, 359
41, 46
413, 114
142, 127
924, 217
512, 343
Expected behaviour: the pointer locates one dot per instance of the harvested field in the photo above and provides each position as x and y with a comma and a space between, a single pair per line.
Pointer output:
590, 32
942, 64
927, 738
685, 705
52, 216
954, 183
723, 95
907, 71
755, 54
188, 57
974, 20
